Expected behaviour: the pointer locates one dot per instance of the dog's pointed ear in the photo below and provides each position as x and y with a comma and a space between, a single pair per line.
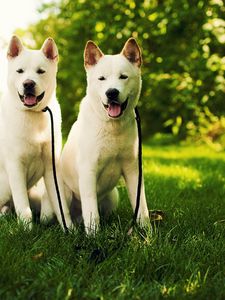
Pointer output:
50, 50
132, 52
92, 54
15, 47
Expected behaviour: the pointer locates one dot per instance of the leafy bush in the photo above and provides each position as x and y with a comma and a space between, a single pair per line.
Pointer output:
183, 46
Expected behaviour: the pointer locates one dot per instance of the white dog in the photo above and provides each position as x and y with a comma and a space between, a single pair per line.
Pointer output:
103, 142
25, 131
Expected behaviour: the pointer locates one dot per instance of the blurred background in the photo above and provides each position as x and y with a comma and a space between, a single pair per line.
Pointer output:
183, 45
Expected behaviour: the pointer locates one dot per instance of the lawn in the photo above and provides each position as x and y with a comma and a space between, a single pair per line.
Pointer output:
183, 259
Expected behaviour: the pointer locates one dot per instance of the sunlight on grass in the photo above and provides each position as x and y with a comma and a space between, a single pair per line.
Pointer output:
195, 282
185, 176
190, 285
69, 294
187, 166
186, 152
168, 291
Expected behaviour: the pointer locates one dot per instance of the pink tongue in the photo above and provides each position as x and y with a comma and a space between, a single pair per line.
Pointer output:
30, 100
114, 110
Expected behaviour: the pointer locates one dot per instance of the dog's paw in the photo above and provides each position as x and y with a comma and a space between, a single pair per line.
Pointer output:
71, 227
5, 210
25, 218
144, 222
92, 228
45, 219
27, 225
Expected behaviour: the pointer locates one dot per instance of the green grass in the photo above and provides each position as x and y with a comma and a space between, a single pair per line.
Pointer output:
183, 259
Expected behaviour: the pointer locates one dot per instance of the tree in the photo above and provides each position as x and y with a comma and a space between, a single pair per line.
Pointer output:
183, 47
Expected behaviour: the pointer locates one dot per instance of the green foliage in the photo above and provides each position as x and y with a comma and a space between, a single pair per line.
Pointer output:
183, 46
183, 259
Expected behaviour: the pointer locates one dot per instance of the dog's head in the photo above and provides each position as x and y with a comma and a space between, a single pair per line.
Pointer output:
114, 81
32, 73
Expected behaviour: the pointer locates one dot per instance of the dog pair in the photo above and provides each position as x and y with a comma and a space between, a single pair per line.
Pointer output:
102, 144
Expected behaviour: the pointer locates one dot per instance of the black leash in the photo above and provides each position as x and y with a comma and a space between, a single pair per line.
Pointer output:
138, 195
54, 168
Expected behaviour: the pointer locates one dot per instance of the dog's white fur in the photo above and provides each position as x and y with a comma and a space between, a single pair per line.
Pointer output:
25, 132
100, 148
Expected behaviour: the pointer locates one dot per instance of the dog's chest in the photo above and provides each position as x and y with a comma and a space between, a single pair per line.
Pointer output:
35, 162
113, 150
108, 169
32, 154
26, 147
26, 135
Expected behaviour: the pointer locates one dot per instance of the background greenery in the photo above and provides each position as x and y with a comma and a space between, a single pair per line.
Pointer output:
183, 45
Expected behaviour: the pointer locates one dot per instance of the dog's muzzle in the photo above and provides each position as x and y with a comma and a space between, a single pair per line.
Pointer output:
115, 109
30, 100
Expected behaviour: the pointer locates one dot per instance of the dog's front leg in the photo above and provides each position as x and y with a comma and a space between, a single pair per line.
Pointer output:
17, 180
51, 191
130, 173
88, 195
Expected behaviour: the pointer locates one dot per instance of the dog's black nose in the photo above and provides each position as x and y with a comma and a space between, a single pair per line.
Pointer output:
112, 94
29, 84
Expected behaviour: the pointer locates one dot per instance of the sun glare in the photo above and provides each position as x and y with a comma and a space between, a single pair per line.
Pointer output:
14, 15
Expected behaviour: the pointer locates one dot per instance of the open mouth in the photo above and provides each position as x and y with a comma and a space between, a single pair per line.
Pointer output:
31, 100
116, 109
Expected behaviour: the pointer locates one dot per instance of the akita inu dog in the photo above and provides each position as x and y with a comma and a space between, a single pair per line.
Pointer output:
103, 142
25, 131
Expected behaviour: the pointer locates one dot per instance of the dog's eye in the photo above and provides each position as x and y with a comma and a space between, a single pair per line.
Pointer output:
122, 76
20, 71
101, 78
40, 71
